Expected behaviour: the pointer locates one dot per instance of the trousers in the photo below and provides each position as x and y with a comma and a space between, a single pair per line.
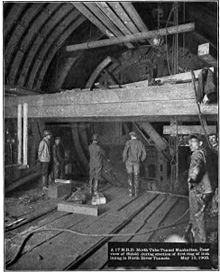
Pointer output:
95, 174
197, 206
133, 168
58, 171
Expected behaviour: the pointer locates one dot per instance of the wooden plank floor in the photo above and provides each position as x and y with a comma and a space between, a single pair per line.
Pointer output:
122, 214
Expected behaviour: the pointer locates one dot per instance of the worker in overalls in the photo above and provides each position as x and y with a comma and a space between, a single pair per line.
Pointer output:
200, 189
45, 158
58, 158
95, 164
134, 152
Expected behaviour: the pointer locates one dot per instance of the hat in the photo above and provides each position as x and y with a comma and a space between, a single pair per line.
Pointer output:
57, 137
197, 136
132, 134
47, 133
95, 137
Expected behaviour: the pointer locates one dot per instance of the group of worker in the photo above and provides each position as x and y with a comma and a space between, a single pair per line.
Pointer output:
201, 182
51, 157
202, 175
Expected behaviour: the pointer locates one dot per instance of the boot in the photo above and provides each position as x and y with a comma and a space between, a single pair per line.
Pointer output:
96, 186
136, 184
130, 186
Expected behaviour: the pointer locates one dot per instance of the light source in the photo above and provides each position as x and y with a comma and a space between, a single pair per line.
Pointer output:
157, 41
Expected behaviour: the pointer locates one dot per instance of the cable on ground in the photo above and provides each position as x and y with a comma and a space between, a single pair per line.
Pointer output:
21, 247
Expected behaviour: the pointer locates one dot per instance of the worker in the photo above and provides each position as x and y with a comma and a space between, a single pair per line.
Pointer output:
95, 164
206, 91
134, 152
200, 189
58, 159
45, 158
214, 142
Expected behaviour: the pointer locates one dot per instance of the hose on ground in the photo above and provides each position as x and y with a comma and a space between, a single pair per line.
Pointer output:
21, 247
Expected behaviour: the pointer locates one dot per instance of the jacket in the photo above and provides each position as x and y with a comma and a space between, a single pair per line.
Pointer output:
44, 151
206, 86
58, 154
134, 151
96, 155
198, 173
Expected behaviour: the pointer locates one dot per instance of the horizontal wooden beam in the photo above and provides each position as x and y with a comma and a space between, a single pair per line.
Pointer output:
188, 129
186, 76
133, 37
166, 100
77, 208
66, 121
139, 93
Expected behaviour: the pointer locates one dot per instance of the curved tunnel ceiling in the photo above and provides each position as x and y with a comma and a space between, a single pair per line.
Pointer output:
35, 36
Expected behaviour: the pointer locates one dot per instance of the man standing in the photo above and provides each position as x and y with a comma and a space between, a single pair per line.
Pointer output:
200, 189
134, 153
214, 142
44, 156
58, 158
95, 164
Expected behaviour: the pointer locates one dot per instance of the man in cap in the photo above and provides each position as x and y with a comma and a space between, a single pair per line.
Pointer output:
200, 188
44, 156
214, 142
95, 164
58, 158
134, 152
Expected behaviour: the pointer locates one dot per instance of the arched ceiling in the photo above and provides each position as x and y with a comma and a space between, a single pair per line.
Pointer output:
35, 36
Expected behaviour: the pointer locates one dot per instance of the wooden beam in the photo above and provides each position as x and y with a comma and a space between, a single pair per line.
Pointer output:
19, 133
133, 37
141, 133
78, 208
190, 118
160, 143
127, 94
134, 16
105, 20
25, 134
188, 129
186, 76
118, 9
206, 53
104, 6
97, 71
166, 100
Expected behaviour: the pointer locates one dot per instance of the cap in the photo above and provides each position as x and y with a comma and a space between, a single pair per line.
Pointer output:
95, 137
57, 137
47, 133
197, 136
132, 134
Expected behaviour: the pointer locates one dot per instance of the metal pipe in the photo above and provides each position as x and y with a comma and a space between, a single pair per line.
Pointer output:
133, 37
19, 133
25, 133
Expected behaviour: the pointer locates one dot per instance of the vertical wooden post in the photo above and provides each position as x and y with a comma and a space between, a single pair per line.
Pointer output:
175, 154
25, 133
19, 132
